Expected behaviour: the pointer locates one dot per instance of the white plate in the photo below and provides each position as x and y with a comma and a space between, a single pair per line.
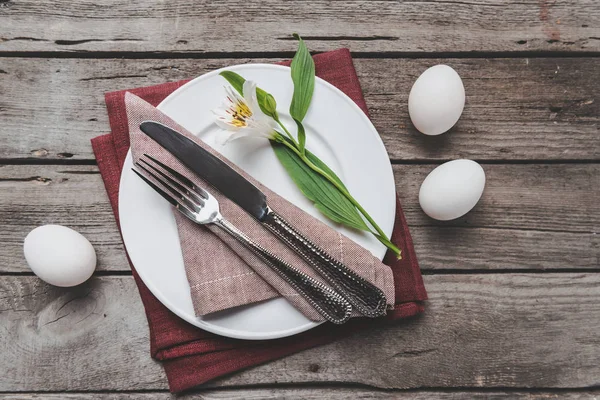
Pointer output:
337, 131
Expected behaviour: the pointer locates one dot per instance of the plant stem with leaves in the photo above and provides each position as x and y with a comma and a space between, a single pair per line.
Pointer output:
313, 177
379, 233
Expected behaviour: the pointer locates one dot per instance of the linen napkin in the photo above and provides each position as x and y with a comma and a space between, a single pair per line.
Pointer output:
192, 356
222, 273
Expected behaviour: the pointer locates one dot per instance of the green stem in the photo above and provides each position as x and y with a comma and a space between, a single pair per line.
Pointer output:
381, 236
286, 131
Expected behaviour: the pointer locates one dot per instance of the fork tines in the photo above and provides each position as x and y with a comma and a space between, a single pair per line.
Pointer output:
170, 184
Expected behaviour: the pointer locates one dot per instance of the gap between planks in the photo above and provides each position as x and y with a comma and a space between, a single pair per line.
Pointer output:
326, 386
290, 54
423, 161
427, 272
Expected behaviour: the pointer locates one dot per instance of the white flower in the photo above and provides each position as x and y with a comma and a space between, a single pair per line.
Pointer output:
243, 116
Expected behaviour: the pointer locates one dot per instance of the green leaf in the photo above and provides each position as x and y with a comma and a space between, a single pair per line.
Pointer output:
326, 197
303, 76
301, 136
317, 161
235, 80
266, 101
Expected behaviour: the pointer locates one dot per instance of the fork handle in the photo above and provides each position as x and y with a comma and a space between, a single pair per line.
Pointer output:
325, 300
367, 298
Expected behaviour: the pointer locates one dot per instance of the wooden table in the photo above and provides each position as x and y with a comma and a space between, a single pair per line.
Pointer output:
514, 285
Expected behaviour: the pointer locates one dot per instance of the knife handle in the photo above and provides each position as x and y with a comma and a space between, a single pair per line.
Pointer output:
367, 298
330, 304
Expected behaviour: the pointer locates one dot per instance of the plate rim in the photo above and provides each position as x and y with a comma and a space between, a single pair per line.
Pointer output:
196, 321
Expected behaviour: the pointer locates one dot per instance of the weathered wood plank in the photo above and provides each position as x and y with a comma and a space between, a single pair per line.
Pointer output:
463, 248
520, 331
518, 109
317, 393
553, 224
66, 195
237, 26
537, 197
57, 332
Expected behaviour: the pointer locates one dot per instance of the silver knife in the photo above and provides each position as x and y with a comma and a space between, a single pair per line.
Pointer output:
368, 299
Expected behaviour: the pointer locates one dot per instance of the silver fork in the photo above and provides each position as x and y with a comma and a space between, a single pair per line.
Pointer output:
203, 208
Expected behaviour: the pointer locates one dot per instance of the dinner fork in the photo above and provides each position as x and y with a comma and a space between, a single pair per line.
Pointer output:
203, 208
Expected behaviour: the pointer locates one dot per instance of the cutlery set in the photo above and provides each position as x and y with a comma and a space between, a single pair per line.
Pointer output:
348, 290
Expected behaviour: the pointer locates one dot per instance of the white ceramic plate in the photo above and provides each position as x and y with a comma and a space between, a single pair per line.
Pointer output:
337, 131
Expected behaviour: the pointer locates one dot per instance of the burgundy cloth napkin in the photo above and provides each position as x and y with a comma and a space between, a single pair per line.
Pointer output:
192, 356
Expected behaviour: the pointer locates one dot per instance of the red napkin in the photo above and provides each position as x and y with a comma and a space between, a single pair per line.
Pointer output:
192, 356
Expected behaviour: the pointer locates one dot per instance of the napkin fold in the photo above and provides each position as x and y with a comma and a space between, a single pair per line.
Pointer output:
221, 272
192, 356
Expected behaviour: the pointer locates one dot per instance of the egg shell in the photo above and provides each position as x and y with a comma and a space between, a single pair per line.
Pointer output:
436, 100
59, 255
452, 189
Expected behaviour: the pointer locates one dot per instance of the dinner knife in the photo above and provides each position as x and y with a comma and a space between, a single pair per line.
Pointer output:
368, 299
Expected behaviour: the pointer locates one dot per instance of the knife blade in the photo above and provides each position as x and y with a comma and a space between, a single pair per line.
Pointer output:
368, 299
210, 168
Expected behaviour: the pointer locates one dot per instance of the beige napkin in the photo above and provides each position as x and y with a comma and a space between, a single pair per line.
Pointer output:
221, 273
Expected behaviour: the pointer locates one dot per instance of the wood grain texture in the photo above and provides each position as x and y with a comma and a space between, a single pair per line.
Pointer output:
91, 333
483, 336
517, 109
536, 197
513, 331
308, 393
553, 224
73, 196
238, 26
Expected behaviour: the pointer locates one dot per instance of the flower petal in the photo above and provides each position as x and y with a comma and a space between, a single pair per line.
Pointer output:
223, 124
262, 126
249, 91
236, 135
252, 99
232, 95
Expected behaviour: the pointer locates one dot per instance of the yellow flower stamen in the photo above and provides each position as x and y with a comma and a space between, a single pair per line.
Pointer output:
240, 113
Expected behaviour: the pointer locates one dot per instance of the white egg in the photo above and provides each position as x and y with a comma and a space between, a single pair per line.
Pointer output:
452, 189
436, 100
59, 255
